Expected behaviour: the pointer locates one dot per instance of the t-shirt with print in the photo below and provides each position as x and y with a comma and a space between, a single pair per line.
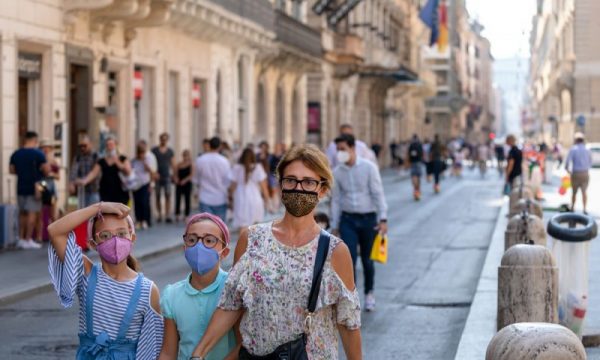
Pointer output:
27, 163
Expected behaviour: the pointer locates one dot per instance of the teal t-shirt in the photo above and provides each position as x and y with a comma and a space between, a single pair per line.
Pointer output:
191, 310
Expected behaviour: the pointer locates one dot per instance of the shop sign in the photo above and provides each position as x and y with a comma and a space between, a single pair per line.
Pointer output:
29, 65
314, 117
138, 84
196, 97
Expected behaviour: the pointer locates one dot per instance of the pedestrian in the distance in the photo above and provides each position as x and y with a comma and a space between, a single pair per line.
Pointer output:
514, 162
183, 191
212, 176
249, 191
119, 308
29, 165
358, 208
269, 285
111, 169
266, 159
189, 304
438, 165
165, 157
578, 164
82, 165
144, 167
415, 162
49, 193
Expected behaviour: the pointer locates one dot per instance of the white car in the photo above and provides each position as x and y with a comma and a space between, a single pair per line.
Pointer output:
595, 149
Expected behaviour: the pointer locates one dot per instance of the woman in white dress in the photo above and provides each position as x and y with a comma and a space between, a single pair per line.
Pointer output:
249, 189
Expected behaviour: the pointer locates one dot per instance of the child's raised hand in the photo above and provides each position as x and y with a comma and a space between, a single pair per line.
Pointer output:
114, 208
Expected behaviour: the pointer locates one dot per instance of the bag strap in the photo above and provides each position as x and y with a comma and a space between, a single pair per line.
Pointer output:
322, 250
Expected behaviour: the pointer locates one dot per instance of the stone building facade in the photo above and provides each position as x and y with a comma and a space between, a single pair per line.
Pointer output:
564, 78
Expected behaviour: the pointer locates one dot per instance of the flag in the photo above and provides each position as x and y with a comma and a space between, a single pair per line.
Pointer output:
429, 15
442, 40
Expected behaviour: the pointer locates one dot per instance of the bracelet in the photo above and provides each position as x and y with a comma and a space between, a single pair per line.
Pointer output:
196, 358
99, 213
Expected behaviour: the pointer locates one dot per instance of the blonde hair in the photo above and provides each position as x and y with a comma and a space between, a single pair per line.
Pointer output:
312, 158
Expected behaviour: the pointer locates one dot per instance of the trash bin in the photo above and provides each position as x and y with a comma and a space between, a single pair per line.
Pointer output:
572, 234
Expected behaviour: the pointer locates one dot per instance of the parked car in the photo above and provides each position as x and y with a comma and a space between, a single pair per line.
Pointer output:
595, 149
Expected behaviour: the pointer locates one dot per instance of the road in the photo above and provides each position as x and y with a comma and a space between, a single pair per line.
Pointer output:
437, 247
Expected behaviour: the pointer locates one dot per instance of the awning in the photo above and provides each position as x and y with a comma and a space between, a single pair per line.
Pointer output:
402, 74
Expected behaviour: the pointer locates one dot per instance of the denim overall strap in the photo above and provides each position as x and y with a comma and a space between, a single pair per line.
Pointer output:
89, 300
133, 301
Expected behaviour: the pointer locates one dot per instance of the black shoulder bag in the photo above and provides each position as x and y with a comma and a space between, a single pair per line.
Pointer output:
296, 349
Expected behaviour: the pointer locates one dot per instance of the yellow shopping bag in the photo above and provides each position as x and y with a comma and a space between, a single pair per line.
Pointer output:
379, 252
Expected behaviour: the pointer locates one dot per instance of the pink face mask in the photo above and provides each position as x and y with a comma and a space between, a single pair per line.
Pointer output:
115, 250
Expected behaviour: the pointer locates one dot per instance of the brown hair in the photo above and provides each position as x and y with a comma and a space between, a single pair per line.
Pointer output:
132, 262
312, 158
248, 160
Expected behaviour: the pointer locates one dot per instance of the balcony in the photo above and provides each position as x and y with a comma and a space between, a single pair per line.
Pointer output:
347, 49
257, 11
296, 36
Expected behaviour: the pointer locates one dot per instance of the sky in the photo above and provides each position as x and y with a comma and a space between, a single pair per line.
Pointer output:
507, 24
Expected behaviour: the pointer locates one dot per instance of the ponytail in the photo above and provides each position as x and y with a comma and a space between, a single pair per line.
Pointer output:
133, 263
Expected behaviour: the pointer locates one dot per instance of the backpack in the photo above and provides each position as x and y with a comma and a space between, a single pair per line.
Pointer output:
415, 152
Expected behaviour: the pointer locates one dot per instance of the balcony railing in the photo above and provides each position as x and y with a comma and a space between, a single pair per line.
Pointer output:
293, 33
258, 11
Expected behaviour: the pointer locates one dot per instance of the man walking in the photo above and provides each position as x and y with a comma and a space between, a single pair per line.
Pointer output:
82, 165
578, 164
415, 161
362, 150
165, 158
358, 208
213, 173
436, 156
29, 164
514, 161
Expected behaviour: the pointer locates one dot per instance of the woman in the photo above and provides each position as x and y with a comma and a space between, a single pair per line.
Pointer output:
49, 195
269, 285
143, 170
109, 169
184, 184
248, 182
265, 158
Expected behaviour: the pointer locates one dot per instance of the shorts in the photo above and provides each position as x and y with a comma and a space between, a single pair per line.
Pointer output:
580, 180
161, 187
29, 203
416, 170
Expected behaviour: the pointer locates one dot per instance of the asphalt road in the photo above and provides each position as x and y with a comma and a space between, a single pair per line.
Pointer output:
437, 247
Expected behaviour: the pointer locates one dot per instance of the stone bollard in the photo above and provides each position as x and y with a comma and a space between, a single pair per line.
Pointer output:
518, 193
529, 205
525, 229
527, 286
540, 341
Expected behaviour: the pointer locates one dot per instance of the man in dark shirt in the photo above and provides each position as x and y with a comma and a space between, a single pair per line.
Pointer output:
29, 164
514, 161
165, 158
82, 165
415, 158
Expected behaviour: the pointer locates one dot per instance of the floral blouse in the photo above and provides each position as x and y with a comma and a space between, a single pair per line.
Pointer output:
272, 282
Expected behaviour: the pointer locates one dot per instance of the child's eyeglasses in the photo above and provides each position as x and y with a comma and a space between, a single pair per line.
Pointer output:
106, 235
210, 241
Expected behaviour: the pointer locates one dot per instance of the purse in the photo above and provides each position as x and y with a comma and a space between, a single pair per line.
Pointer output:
296, 349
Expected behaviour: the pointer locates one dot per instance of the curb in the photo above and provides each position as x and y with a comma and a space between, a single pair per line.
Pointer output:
480, 326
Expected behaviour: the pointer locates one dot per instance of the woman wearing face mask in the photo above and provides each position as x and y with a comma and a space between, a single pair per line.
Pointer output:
189, 304
108, 168
269, 286
119, 313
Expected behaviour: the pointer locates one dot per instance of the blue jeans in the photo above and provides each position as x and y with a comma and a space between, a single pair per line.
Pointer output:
141, 204
359, 229
219, 210
90, 199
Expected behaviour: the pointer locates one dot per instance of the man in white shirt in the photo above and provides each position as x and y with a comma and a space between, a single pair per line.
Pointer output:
362, 150
212, 176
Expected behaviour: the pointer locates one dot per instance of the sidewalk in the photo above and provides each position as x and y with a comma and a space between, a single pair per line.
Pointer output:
25, 272
481, 323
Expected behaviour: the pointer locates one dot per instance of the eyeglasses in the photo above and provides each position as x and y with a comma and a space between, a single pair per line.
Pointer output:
289, 183
210, 241
106, 235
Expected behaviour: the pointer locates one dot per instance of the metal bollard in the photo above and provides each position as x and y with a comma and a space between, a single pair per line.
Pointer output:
526, 341
518, 193
527, 286
525, 229
529, 205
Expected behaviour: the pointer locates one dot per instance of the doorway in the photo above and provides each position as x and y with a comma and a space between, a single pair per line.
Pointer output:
79, 105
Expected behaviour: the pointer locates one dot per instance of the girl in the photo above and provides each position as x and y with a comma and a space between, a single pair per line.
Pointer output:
189, 304
248, 182
119, 315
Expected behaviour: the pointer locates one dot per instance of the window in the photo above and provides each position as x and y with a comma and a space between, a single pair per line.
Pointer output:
297, 10
280, 5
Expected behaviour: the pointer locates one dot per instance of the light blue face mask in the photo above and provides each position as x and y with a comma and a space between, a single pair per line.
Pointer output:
201, 259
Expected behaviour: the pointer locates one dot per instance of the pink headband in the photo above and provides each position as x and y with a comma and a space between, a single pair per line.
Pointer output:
215, 219
91, 225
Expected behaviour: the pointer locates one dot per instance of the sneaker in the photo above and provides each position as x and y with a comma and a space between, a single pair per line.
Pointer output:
169, 221
28, 244
369, 302
436, 189
35, 245
144, 225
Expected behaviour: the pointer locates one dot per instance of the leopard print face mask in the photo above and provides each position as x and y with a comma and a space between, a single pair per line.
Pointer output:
299, 202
